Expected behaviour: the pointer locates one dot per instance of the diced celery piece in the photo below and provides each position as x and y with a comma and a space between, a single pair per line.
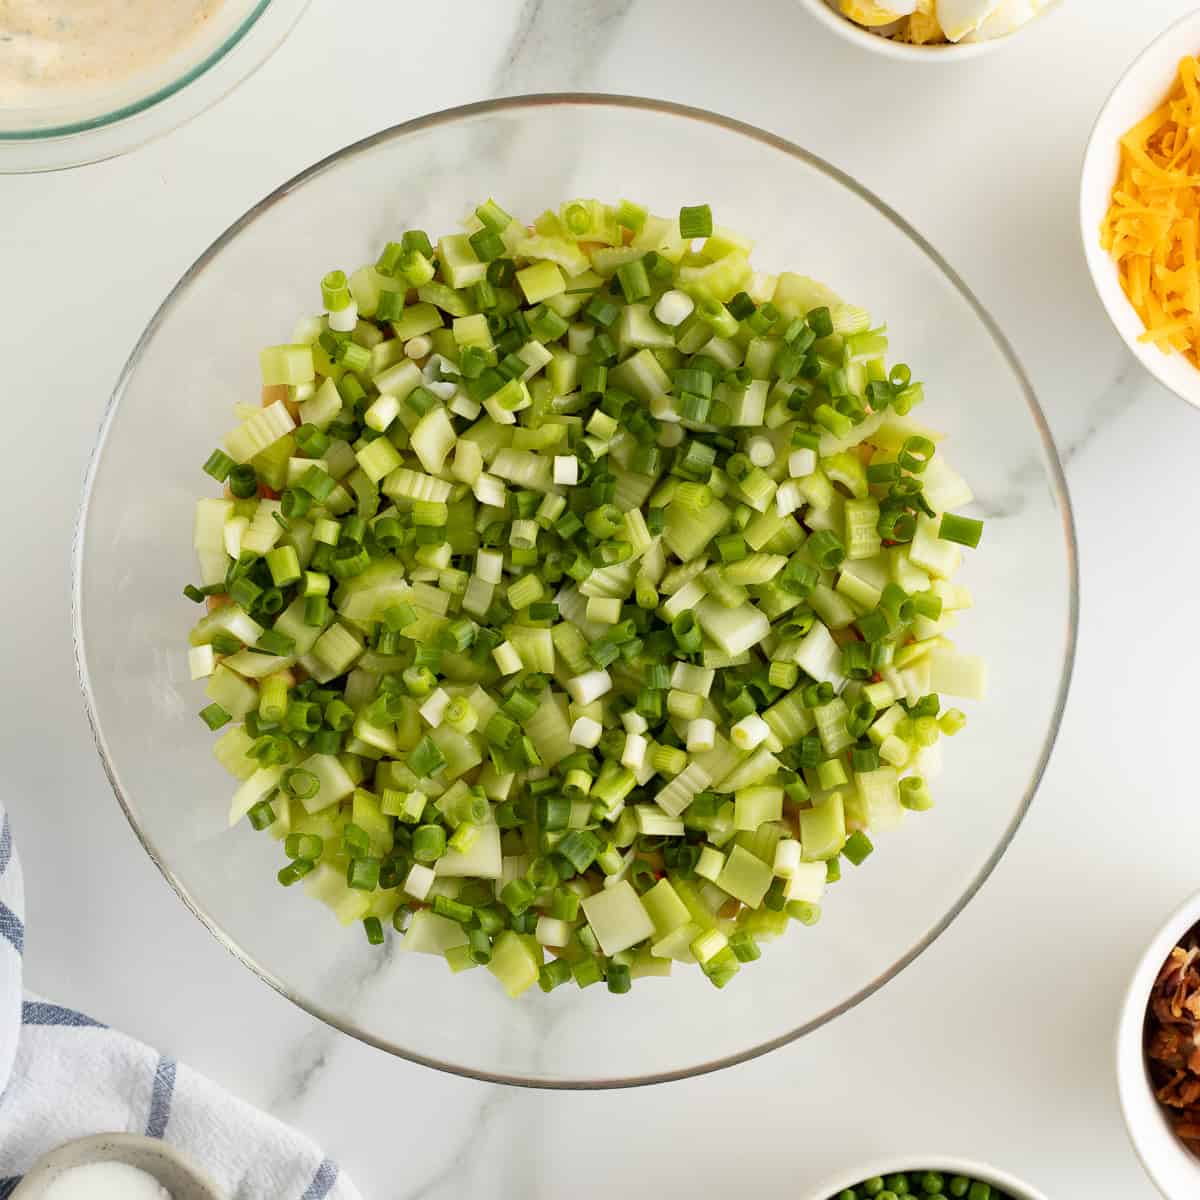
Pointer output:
957, 674
823, 828
666, 910
287, 365
617, 917
516, 961
416, 319
428, 933
745, 877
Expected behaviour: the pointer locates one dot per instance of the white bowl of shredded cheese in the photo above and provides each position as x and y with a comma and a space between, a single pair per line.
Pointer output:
931, 31
1138, 94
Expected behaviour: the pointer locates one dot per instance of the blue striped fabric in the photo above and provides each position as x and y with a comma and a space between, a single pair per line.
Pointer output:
12, 928
38, 1012
161, 1097
71, 1076
5, 845
323, 1181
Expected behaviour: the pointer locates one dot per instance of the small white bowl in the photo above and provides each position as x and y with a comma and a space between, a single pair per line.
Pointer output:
1139, 91
1168, 1162
927, 1162
939, 53
178, 1174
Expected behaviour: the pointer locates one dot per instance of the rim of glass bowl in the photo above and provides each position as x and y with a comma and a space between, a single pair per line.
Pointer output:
569, 99
107, 135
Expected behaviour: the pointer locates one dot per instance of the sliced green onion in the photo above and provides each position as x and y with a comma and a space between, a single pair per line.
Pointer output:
966, 531
573, 527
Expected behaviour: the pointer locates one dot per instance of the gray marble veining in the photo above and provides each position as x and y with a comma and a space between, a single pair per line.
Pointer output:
558, 45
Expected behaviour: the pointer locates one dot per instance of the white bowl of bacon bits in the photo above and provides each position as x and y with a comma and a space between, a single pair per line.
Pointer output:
1158, 1056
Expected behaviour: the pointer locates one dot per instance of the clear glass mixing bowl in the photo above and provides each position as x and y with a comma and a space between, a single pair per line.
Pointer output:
65, 128
199, 355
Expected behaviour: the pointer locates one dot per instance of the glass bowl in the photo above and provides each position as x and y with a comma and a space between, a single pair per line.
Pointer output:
103, 119
199, 355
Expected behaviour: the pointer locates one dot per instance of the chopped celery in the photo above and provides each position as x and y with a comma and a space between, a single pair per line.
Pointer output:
549, 605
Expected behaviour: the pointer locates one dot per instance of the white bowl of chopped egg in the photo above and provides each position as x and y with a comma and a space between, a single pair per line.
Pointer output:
928, 30
1143, 263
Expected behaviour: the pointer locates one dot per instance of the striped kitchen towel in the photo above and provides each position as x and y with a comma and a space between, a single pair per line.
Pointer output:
64, 1075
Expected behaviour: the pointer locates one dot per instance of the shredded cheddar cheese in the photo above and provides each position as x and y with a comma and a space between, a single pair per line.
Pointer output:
1152, 228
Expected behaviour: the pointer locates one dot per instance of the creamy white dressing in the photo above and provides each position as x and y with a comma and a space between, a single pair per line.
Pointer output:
47, 46
106, 1181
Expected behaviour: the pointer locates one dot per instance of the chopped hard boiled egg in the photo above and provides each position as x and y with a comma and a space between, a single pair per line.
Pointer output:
961, 17
1006, 19
872, 12
925, 22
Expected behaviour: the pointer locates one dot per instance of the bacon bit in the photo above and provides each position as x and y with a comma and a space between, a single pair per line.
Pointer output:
1173, 1039
267, 493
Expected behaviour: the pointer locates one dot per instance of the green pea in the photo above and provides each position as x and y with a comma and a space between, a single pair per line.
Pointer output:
979, 1191
847, 1194
959, 1185
873, 1186
898, 1184
886, 1194
931, 1183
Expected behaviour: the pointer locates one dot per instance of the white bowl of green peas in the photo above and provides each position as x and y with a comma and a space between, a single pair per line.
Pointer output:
933, 1177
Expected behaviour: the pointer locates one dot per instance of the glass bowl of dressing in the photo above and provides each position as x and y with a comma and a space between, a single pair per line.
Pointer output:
84, 80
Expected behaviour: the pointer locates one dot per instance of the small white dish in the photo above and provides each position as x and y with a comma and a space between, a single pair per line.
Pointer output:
946, 1164
1138, 92
940, 53
182, 1178
1173, 1168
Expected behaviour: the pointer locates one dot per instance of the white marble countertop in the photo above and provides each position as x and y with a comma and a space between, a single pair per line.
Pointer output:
997, 1044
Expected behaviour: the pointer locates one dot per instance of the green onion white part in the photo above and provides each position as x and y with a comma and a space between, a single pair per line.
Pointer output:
580, 599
